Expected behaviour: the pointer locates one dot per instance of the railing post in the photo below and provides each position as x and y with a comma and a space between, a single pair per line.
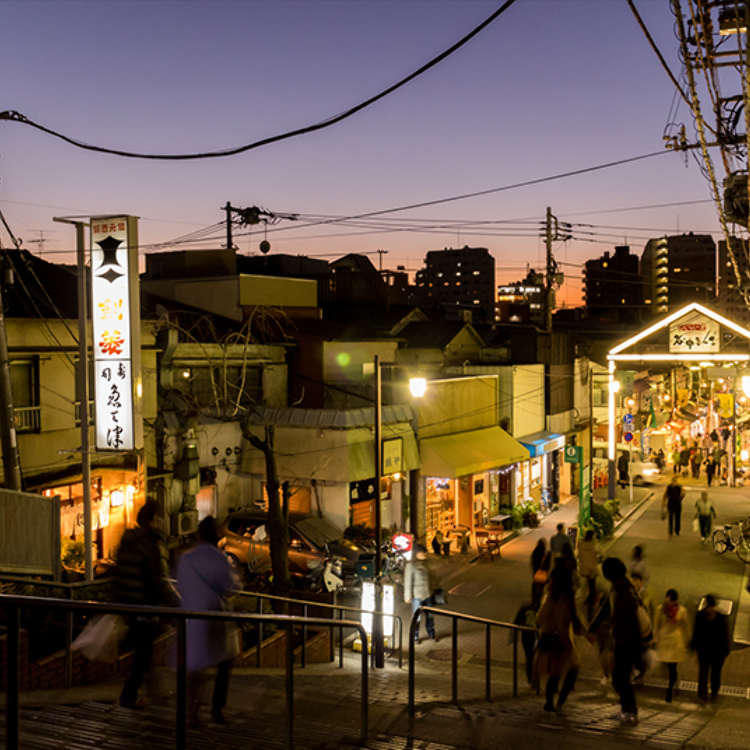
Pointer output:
364, 696
258, 648
454, 661
400, 643
341, 642
68, 649
487, 676
411, 662
290, 686
181, 730
515, 662
304, 637
13, 677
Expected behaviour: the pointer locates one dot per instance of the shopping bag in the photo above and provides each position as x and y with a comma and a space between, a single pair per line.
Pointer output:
99, 640
696, 525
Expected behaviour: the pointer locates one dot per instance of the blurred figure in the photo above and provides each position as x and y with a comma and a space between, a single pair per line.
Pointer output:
540, 577
537, 555
526, 616
557, 541
418, 590
141, 576
205, 579
638, 563
567, 562
588, 564
558, 622
671, 633
437, 542
705, 512
711, 642
672, 505
710, 469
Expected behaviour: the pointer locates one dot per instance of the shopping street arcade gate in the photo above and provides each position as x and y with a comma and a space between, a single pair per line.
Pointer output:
693, 334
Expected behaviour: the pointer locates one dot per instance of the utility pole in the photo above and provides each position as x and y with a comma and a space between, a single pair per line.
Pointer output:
228, 209
83, 390
548, 273
8, 439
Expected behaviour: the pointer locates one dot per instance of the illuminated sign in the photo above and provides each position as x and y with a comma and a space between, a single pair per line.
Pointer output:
368, 604
115, 316
694, 333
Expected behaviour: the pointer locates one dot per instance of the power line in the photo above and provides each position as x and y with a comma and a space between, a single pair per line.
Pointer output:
13, 116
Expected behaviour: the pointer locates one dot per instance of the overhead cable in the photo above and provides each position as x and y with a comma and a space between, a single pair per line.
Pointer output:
13, 116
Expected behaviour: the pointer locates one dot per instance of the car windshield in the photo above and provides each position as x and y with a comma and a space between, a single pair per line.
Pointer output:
319, 531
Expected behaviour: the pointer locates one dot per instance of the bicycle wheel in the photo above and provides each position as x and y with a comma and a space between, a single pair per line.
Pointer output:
720, 541
743, 550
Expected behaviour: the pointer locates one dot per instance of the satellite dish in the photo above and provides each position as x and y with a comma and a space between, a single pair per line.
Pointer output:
265, 246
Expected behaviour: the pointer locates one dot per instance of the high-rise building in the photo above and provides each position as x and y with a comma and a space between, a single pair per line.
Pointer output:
458, 282
729, 301
678, 270
522, 301
612, 285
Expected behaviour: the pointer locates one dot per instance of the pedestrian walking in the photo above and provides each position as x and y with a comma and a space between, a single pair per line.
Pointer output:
558, 623
588, 564
537, 555
600, 634
557, 541
671, 633
141, 576
676, 461
567, 562
623, 470
705, 513
638, 563
696, 459
684, 460
710, 469
672, 505
622, 608
526, 617
540, 580
711, 643
418, 590
204, 581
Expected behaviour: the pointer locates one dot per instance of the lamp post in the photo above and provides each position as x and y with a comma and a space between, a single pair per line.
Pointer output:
417, 387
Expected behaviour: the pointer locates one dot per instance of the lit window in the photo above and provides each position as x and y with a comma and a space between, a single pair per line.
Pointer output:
604, 264
440, 273
476, 301
458, 273
676, 270
476, 273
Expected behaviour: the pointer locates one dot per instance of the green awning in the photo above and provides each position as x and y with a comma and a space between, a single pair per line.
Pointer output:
469, 452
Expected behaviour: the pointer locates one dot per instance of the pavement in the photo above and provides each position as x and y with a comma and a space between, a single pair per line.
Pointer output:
327, 706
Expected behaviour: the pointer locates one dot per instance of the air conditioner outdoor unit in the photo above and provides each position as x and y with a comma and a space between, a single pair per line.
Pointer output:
185, 522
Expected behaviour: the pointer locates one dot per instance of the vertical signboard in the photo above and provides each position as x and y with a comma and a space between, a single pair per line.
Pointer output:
116, 320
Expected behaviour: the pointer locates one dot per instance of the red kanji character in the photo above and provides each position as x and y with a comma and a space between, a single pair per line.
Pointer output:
121, 226
111, 343
113, 227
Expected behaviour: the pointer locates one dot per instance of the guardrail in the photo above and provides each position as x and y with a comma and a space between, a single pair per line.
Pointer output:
306, 604
455, 617
13, 605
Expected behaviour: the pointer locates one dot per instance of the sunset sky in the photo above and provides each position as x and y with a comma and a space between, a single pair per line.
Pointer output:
551, 86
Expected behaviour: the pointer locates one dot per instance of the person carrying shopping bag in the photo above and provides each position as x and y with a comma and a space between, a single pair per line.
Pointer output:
672, 637
705, 513
205, 579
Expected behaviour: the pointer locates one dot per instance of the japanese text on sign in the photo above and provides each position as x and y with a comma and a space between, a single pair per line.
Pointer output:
695, 333
110, 312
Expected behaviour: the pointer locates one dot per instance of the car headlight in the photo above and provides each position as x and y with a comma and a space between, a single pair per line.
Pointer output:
649, 472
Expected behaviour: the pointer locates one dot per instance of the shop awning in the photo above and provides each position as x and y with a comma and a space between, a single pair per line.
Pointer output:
542, 442
469, 452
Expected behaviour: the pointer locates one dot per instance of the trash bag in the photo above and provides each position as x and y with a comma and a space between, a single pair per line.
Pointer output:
100, 639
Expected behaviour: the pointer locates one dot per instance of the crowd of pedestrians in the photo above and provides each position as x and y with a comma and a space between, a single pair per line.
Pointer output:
610, 603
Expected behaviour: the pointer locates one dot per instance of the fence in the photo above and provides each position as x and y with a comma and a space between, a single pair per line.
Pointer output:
13, 604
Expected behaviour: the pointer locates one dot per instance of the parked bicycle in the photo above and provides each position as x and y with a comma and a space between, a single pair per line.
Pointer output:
733, 536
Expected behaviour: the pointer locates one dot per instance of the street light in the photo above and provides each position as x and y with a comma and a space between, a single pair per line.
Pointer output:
417, 387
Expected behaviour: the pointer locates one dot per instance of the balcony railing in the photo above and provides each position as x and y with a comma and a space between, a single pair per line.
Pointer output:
77, 407
27, 418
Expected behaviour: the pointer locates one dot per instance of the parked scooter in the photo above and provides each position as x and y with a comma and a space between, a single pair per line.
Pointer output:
325, 574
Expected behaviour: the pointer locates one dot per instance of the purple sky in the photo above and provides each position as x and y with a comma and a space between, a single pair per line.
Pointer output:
551, 86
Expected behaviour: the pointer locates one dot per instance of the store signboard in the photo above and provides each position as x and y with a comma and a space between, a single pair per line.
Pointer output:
393, 452
115, 315
694, 333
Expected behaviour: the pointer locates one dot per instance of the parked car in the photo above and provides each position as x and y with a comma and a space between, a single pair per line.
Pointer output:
312, 540
643, 472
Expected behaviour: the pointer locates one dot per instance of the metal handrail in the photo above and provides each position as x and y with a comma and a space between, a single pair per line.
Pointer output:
341, 608
489, 623
13, 604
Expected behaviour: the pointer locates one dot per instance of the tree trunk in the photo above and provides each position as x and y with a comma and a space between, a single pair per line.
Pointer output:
278, 512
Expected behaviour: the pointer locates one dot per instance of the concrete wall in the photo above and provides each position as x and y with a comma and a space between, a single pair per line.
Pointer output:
277, 291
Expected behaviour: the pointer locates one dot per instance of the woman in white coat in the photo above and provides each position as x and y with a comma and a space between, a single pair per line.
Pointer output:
672, 636
204, 580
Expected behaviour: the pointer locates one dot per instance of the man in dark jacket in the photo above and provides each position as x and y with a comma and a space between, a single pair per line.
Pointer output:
711, 642
141, 577
628, 652
672, 504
